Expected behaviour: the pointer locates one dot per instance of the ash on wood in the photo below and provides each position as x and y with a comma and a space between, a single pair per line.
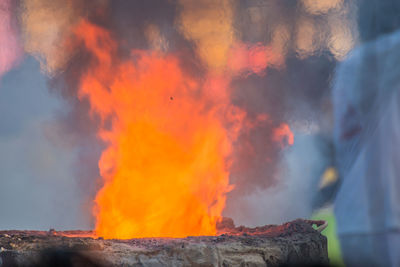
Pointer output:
292, 243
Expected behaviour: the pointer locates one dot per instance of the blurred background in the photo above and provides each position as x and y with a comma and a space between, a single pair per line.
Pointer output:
49, 149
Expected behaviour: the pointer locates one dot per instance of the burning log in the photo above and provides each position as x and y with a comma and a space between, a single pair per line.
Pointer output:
291, 243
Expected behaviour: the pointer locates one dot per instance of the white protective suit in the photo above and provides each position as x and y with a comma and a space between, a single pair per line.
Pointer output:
366, 97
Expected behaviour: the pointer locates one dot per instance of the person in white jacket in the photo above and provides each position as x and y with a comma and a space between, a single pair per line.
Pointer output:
366, 101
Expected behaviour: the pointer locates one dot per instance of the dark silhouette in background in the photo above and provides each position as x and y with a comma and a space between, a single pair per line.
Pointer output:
366, 102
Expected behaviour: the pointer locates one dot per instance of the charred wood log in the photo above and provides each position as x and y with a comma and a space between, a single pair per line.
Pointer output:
289, 244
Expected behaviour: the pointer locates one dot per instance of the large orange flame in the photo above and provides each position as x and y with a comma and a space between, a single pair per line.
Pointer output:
165, 168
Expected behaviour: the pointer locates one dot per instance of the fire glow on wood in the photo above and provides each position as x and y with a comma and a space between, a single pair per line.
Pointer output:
272, 245
166, 166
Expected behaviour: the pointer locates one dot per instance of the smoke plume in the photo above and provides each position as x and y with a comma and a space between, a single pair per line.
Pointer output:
262, 66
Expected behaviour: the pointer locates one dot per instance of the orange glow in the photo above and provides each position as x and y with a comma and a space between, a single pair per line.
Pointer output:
284, 135
168, 136
209, 23
245, 59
